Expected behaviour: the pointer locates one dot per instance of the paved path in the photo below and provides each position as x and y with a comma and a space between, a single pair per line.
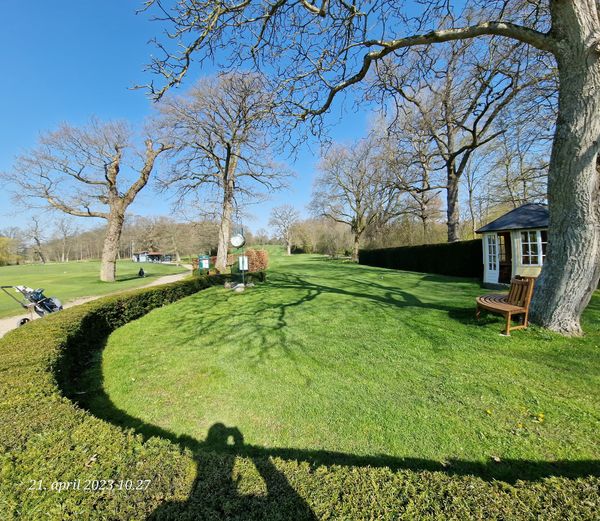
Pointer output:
7, 324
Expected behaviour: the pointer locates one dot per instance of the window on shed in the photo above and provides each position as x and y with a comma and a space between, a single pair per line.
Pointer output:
492, 251
533, 247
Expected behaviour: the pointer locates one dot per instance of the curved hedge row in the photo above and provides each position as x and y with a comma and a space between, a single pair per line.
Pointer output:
50, 449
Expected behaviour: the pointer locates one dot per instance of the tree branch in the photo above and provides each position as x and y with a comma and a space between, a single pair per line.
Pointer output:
538, 39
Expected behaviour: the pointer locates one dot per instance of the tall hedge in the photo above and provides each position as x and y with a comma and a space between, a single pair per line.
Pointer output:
46, 438
458, 259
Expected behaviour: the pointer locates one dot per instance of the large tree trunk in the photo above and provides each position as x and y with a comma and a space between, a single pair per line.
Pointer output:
225, 227
227, 209
573, 265
453, 208
356, 246
224, 231
110, 250
424, 227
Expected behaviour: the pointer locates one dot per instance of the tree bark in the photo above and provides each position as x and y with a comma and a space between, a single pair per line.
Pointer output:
39, 251
110, 249
227, 209
472, 213
356, 247
425, 227
453, 208
224, 230
572, 270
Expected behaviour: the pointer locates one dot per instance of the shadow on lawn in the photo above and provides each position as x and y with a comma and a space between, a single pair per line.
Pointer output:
215, 494
268, 314
375, 292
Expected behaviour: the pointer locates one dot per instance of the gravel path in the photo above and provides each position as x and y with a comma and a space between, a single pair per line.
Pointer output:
9, 323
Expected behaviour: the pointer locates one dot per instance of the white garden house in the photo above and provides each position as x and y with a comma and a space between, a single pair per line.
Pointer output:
515, 244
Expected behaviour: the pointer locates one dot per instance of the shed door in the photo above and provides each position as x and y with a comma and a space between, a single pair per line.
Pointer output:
492, 261
505, 257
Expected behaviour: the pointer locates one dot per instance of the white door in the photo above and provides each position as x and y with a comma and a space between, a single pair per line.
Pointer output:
491, 270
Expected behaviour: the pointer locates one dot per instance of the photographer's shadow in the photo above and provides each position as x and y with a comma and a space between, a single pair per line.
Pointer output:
219, 493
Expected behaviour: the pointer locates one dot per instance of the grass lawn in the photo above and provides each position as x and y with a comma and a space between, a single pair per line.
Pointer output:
74, 279
371, 364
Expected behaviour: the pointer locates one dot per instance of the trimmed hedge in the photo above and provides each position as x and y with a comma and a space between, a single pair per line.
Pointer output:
45, 436
458, 259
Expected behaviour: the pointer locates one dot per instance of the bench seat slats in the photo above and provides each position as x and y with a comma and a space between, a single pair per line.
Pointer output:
515, 302
498, 304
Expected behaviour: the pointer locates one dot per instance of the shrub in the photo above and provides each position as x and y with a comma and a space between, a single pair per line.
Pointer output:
459, 259
258, 260
251, 254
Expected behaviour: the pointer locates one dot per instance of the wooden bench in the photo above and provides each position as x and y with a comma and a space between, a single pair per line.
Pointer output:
516, 302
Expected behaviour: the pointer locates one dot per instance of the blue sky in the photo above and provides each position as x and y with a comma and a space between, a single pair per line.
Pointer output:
67, 60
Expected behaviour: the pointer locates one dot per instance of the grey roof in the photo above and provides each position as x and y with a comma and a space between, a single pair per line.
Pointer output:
531, 215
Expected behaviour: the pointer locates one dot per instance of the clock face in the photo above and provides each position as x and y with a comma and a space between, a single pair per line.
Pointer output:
237, 241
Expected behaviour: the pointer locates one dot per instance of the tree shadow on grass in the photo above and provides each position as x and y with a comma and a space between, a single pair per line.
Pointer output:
380, 294
88, 391
217, 491
259, 325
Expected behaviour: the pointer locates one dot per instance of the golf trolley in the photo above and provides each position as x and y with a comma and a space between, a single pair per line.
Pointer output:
33, 300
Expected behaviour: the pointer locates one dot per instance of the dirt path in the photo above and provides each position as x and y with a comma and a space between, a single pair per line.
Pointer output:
9, 323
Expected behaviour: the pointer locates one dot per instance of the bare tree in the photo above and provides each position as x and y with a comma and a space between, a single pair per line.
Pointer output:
458, 94
222, 134
283, 218
65, 230
354, 188
407, 149
318, 50
476, 178
34, 232
520, 161
261, 236
82, 172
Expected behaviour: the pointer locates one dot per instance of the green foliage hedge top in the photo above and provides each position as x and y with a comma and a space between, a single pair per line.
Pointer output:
458, 259
46, 439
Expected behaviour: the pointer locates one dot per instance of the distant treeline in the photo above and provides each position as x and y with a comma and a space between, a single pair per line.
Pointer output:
62, 241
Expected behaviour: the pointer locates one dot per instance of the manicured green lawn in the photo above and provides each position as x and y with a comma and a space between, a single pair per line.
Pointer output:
74, 279
367, 362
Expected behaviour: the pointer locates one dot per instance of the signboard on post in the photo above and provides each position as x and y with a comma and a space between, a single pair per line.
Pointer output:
243, 263
203, 262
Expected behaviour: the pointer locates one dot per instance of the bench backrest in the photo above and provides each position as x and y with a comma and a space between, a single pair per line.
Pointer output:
521, 291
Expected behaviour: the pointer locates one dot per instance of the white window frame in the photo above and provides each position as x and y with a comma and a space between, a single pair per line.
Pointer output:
492, 260
538, 242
